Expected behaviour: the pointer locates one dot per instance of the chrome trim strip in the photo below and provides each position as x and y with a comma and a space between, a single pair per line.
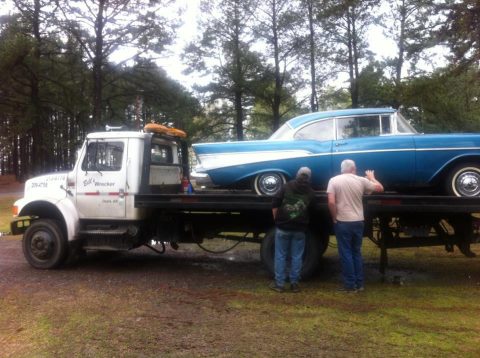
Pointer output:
447, 148
252, 157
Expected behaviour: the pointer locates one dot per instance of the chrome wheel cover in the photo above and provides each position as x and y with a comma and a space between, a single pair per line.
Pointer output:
467, 182
270, 183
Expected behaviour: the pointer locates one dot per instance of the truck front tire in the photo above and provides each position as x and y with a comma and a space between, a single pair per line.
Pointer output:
314, 249
44, 244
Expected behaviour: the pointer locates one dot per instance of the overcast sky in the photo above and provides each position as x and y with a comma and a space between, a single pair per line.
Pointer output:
171, 62
185, 34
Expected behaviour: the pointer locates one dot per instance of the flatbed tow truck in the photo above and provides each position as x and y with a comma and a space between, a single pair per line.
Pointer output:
127, 189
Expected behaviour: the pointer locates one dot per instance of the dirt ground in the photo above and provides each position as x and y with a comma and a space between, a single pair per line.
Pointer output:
189, 303
11, 188
186, 297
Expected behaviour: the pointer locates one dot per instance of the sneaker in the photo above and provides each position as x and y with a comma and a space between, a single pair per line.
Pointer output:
347, 290
360, 289
294, 287
275, 287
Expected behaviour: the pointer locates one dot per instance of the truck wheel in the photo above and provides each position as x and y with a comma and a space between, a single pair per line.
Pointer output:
464, 180
44, 244
269, 184
311, 257
323, 240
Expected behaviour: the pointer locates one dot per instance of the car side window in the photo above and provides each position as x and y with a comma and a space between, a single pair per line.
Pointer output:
354, 127
321, 130
385, 121
103, 156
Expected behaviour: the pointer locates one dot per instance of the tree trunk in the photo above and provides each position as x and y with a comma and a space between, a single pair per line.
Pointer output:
238, 81
401, 54
24, 156
313, 84
98, 68
352, 56
401, 48
355, 61
37, 164
239, 115
278, 80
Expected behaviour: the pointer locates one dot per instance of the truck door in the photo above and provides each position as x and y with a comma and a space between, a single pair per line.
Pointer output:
101, 179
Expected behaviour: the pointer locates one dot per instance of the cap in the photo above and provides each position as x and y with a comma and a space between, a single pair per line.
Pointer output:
304, 171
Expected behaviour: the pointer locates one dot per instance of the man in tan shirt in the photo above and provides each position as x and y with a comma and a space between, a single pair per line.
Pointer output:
345, 192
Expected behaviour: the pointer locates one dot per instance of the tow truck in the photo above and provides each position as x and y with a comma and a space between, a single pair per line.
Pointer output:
129, 189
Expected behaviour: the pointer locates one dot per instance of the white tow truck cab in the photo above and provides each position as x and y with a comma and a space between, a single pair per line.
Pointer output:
93, 205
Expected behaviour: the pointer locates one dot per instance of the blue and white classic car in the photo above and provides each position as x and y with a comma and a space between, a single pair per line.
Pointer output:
375, 138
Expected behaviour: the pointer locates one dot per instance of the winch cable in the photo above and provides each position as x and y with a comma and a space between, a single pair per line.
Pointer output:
154, 249
222, 251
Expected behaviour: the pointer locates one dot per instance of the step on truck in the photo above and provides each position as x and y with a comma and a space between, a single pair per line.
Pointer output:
129, 189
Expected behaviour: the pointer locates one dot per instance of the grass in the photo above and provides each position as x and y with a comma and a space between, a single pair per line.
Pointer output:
434, 313
6, 204
201, 307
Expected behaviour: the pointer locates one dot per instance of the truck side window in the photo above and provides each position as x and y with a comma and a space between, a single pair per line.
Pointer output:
103, 156
161, 154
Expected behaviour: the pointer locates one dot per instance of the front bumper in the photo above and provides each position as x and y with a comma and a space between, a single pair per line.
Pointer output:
201, 179
19, 225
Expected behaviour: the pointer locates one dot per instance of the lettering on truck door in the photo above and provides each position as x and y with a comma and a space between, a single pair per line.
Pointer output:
101, 180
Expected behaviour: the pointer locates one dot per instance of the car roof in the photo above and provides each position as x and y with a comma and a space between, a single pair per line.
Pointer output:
306, 118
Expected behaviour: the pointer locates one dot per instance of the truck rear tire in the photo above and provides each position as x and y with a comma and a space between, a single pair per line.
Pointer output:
44, 245
314, 249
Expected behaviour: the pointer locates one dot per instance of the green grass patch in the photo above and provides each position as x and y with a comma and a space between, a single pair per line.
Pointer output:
6, 203
386, 321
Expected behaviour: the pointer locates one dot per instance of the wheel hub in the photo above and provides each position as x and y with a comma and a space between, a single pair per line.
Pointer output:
42, 246
468, 184
270, 184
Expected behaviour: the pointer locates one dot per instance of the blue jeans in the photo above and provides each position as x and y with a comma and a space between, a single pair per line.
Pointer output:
288, 244
349, 240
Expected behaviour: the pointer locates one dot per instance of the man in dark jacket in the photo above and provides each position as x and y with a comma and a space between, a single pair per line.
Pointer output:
291, 212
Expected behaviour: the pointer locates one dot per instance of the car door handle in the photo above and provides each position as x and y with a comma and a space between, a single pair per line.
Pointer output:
337, 144
121, 193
